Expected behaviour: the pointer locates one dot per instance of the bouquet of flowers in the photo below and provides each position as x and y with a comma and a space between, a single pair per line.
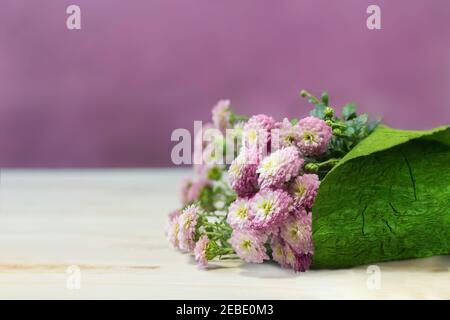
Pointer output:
323, 191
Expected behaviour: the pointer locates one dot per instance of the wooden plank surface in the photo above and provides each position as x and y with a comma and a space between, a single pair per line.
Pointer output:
109, 225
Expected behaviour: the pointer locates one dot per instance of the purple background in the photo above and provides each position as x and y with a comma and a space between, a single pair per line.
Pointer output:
111, 93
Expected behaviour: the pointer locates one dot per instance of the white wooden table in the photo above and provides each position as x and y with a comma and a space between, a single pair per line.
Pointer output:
110, 224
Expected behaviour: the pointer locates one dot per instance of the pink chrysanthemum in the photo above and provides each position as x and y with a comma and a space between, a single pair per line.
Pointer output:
213, 155
200, 143
239, 214
289, 133
200, 251
187, 222
195, 189
174, 215
249, 245
221, 115
279, 167
185, 185
257, 133
298, 261
173, 229
315, 135
297, 232
200, 139
242, 173
278, 251
298, 211
304, 190
261, 121
268, 208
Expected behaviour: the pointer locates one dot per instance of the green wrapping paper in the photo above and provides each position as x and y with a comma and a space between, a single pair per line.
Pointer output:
387, 199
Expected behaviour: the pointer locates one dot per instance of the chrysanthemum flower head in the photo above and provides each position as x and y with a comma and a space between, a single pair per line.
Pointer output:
315, 136
268, 208
257, 133
173, 228
194, 190
235, 135
239, 214
185, 185
249, 245
279, 167
238, 130
287, 257
289, 133
187, 222
200, 143
221, 115
200, 139
297, 232
298, 261
304, 190
200, 251
214, 153
242, 173
278, 250
174, 215
261, 121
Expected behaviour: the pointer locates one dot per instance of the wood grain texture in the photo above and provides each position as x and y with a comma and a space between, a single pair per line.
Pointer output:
110, 223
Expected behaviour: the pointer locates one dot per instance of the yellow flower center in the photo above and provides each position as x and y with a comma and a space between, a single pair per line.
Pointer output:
296, 232
242, 212
289, 139
268, 164
234, 169
300, 190
246, 244
279, 251
309, 137
187, 223
290, 257
252, 135
293, 232
267, 207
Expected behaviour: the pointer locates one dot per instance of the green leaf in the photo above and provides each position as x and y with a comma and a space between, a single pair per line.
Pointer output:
318, 111
294, 121
349, 131
349, 111
361, 120
387, 199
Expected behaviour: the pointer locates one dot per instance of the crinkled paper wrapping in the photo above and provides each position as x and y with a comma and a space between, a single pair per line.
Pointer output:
388, 199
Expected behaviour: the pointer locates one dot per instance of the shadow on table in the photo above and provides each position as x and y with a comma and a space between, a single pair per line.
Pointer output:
267, 270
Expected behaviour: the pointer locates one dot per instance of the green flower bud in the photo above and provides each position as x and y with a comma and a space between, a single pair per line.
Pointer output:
215, 173
329, 112
337, 132
329, 122
311, 167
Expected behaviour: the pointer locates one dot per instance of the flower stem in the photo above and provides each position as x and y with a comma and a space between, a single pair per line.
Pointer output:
336, 124
213, 233
212, 214
329, 162
225, 251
